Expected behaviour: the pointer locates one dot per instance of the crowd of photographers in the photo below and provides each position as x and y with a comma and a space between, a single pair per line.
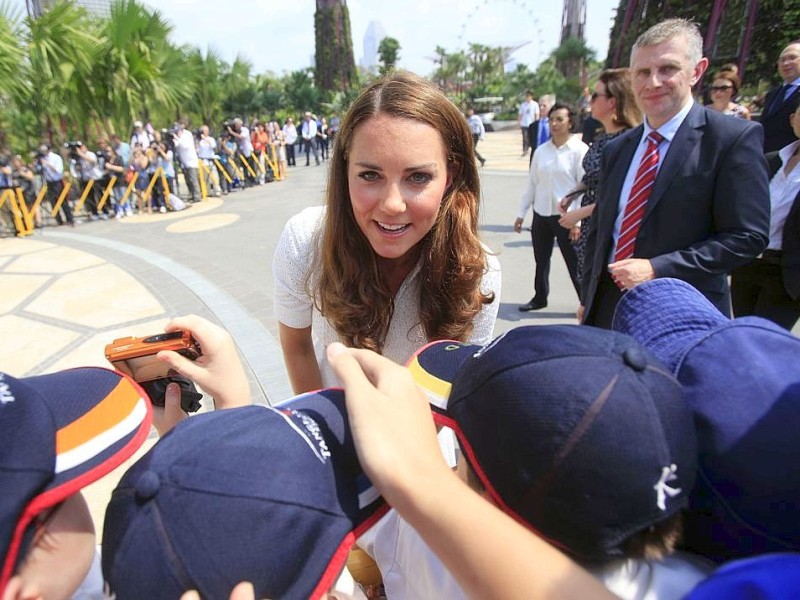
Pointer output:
238, 157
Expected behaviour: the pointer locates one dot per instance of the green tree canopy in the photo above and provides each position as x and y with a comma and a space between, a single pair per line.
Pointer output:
388, 54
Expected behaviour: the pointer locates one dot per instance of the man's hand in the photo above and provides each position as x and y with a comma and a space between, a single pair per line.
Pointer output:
629, 273
518, 225
579, 313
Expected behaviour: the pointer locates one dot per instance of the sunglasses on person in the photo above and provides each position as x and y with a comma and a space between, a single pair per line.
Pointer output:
596, 95
720, 88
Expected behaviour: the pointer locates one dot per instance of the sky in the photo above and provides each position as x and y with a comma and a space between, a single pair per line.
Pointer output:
278, 35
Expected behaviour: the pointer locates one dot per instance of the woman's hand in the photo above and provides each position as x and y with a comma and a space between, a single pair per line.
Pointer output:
218, 370
569, 220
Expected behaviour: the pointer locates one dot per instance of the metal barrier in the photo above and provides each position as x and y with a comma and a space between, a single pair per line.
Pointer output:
22, 220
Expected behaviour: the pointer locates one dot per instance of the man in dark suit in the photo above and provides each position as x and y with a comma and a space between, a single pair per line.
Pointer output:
769, 287
683, 195
539, 130
782, 101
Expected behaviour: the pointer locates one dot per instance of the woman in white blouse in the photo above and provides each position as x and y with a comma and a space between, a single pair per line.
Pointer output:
393, 259
556, 169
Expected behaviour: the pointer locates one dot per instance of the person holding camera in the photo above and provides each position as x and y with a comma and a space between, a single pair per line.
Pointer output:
90, 170
207, 152
309, 134
52, 170
187, 156
242, 136
164, 160
24, 179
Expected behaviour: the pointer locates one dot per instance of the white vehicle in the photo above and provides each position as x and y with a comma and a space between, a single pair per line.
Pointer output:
486, 108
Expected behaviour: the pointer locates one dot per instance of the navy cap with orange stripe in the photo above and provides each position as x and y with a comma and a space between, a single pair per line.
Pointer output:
59, 433
577, 432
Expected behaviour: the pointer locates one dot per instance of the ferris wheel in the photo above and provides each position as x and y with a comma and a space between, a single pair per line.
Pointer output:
481, 9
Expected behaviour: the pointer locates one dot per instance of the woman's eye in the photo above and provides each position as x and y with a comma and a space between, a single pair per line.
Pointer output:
368, 175
421, 177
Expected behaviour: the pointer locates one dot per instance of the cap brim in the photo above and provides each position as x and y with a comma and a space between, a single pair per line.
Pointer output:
435, 368
100, 418
668, 317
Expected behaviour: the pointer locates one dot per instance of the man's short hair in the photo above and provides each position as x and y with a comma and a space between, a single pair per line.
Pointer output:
670, 29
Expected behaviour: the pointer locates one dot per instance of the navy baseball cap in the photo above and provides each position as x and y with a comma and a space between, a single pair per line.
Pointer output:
742, 381
577, 432
59, 433
271, 495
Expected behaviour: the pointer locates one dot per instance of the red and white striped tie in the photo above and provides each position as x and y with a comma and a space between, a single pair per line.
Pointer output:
637, 201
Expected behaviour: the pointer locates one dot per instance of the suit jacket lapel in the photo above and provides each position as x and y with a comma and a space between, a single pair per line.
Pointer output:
615, 178
687, 137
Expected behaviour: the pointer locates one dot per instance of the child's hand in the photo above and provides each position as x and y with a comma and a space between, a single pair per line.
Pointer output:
166, 417
391, 421
218, 371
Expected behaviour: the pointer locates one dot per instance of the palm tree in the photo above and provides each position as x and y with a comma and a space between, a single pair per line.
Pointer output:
12, 59
140, 74
62, 47
208, 89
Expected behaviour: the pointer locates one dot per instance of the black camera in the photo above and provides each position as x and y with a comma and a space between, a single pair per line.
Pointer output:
73, 148
102, 155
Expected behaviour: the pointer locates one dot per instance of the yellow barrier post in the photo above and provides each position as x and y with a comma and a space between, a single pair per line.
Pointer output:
249, 168
129, 189
258, 162
27, 219
201, 175
84, 195
39, 199
16, 213
150, 186
272, 162
61, 198
165, 186
236, 169
223, 170
107, 191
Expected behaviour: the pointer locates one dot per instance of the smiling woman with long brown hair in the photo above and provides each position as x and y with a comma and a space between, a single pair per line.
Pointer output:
393, 259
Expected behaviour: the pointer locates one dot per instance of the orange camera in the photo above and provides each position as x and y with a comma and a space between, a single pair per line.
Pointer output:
136, 357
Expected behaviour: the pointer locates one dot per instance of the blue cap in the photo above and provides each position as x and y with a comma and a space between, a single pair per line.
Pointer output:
275, 496
577, 432
742, 381
58, 433
767, 577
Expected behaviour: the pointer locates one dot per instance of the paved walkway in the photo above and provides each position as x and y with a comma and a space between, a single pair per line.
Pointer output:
66, 293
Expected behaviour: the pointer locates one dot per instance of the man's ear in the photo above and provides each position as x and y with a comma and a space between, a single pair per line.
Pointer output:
699, 70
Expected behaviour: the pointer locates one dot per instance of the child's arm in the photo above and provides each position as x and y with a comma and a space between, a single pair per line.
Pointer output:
489, 554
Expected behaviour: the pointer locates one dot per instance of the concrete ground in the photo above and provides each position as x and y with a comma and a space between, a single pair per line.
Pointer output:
66, 293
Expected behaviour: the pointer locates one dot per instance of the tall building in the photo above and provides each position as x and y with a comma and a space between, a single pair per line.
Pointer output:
372, 39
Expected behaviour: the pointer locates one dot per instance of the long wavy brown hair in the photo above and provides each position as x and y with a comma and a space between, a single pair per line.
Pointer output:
346, 282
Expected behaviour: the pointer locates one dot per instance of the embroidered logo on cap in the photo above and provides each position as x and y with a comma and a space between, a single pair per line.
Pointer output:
5, 392
662, 489
310, 431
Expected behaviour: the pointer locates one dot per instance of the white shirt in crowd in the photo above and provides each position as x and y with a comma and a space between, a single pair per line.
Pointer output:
207, 148
53, 167
476, 126
783, 190
528, 113
184, 148
142, 137
245, 145
554, 172
309, 129
290, 132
